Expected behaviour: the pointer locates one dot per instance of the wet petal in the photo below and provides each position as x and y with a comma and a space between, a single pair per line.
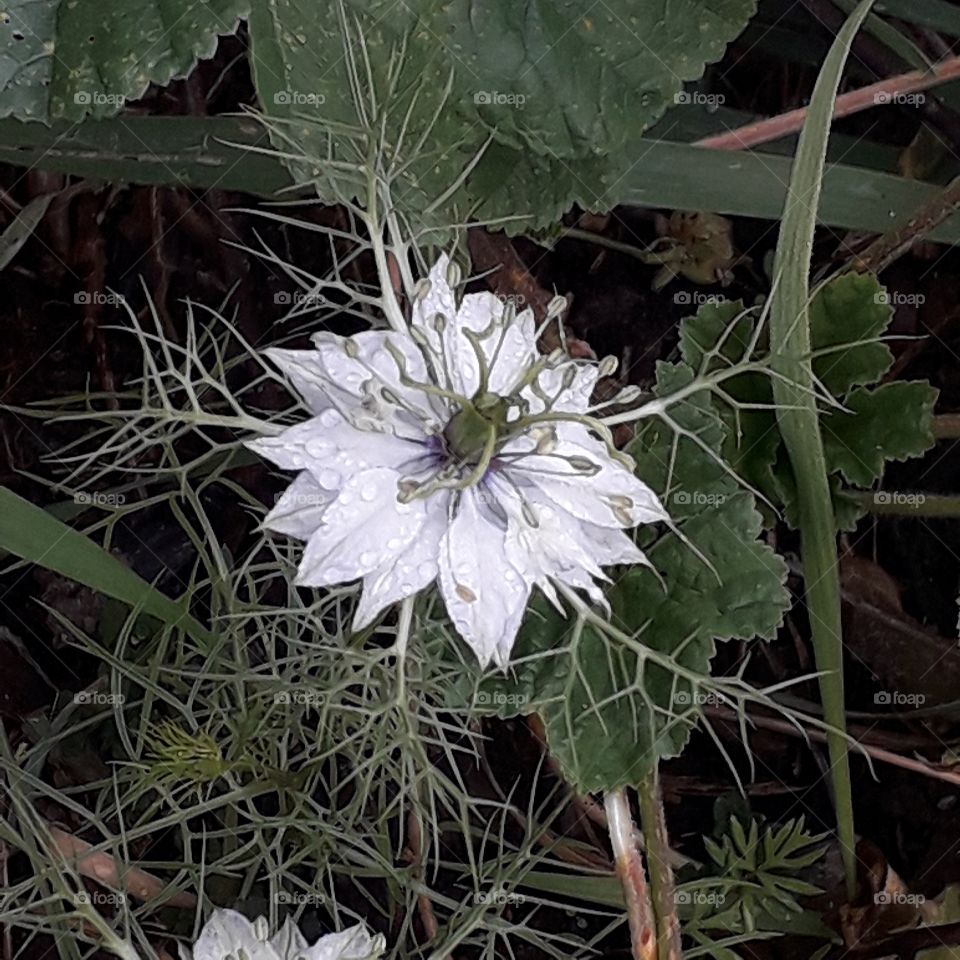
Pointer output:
365, 527
332, 449
227, 933
299, 509
354, 943
413, 570
484, 593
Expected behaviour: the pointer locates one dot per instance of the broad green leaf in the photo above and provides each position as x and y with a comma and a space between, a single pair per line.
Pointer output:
611, 714
450, 77
892, 422
69, 58
31, 533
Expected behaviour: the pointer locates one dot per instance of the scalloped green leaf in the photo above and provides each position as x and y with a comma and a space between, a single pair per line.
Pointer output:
65, 59
892, 422
550, 130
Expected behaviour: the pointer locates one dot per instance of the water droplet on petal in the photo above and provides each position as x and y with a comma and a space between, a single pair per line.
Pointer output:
328, 478
368, 492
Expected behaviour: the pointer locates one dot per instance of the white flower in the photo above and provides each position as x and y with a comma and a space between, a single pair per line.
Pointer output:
229, 935
456, 453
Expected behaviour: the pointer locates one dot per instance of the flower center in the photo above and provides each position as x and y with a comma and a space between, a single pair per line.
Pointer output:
472, 434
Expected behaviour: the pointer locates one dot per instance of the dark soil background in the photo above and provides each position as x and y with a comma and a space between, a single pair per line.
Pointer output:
901, 574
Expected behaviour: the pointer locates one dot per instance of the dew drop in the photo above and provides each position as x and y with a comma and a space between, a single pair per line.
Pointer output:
328, 478
367, 557
368, 492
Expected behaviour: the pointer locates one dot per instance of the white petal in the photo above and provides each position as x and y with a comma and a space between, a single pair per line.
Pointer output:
373, 366
354, 943
227, 932
612, 497
485, 595
476, 313
364, 528
610, 546
415, 569
289, 942
332, 449
513, 355
299, 509
575, 399
305, 370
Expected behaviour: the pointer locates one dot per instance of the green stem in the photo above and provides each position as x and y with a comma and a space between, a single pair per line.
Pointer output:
658, 853
800, 426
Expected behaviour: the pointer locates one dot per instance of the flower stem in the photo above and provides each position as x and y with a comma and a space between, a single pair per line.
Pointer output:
658, 853
629, 861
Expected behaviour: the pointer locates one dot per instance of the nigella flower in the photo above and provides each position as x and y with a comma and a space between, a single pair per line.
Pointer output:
229, 935
456, 453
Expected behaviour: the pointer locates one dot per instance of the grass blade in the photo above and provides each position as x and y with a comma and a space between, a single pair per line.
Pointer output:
799, 421
31, 533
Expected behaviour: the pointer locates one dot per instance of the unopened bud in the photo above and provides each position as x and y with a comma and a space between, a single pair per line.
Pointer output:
439, 322
628, 394
422, 289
